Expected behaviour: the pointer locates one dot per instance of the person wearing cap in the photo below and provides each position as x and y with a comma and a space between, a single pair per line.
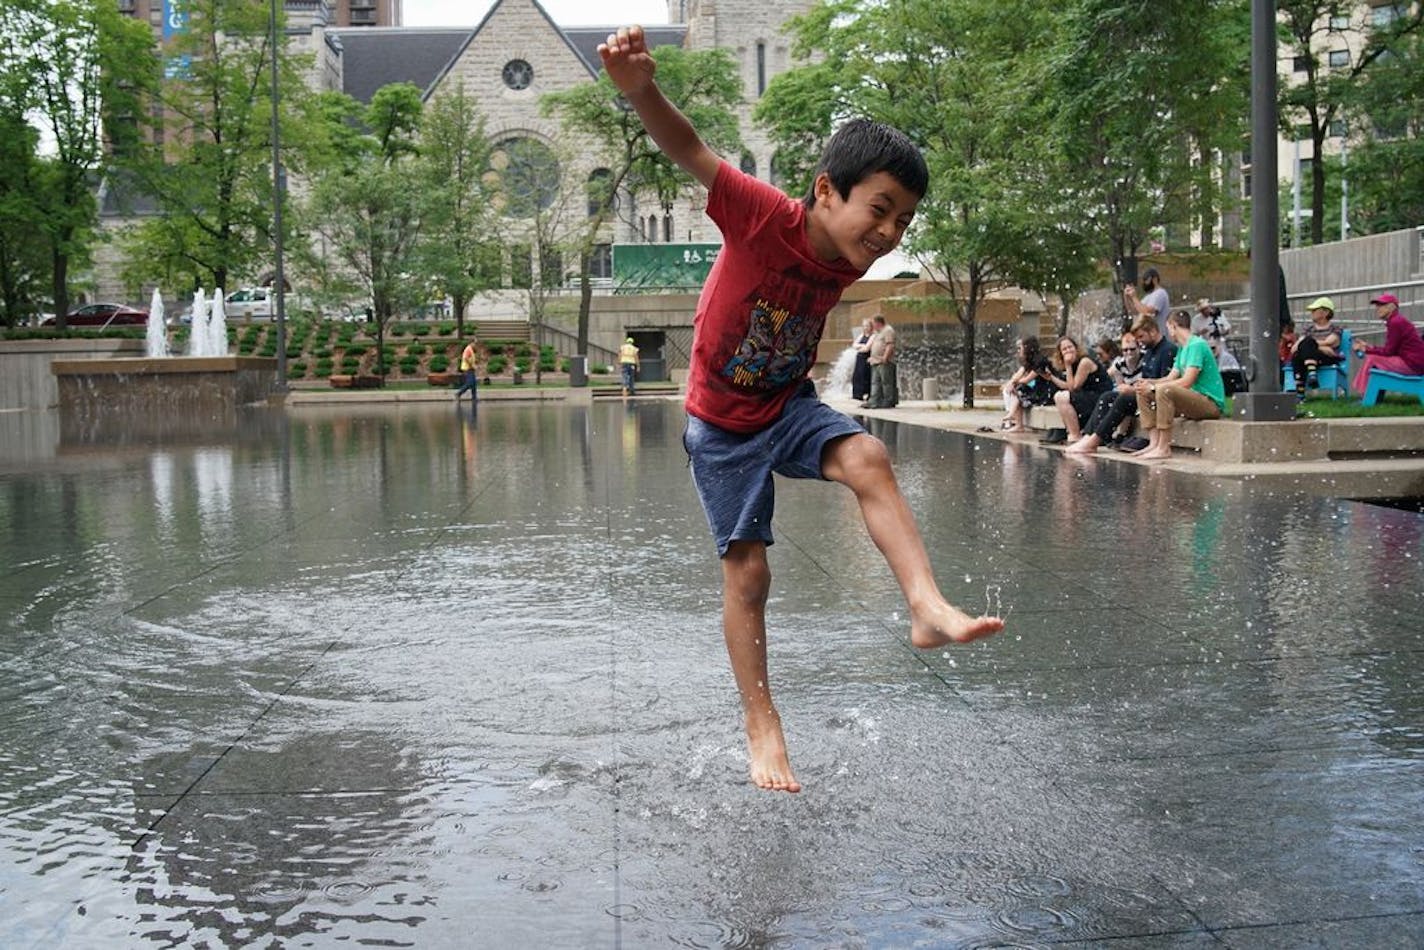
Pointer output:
1316, 346
1155, 302
628, 364
1403, 349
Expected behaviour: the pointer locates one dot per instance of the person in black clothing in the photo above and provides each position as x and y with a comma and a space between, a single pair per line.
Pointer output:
860, 375
1158, 355
1079, 387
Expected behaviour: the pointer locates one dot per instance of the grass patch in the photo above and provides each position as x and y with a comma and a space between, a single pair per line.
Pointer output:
1351, 409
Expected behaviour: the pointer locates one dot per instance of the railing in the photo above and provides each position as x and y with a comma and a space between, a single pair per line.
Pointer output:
566, 344
1352, 306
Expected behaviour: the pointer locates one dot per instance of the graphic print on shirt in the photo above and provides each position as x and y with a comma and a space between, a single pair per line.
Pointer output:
781, 339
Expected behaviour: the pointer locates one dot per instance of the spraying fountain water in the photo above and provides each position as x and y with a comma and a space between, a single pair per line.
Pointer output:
838, 378
217, 326
198, 329
156, 343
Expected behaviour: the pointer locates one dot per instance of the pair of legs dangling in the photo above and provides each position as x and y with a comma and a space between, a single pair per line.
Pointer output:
861, 463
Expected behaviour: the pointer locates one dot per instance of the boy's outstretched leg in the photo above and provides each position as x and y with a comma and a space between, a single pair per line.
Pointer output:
746, 583
861, 463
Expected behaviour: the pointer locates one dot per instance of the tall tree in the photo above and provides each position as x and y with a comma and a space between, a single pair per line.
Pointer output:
458, 247
1385, 163
1314, 101
1128, 93
24, 265
964, 78
75, 68
364, 208
209, 168
704, 85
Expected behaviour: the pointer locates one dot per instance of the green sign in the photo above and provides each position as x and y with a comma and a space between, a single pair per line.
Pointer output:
648, 268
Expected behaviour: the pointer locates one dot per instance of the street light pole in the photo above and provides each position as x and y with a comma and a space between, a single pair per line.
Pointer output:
1265, 401
277, 191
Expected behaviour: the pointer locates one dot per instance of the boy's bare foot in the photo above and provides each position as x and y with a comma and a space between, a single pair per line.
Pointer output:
942, 624
766, 748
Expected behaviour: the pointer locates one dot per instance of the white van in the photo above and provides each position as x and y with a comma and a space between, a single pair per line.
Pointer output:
249, 303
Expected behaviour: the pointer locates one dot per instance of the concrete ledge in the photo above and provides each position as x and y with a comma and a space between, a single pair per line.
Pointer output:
1230, 441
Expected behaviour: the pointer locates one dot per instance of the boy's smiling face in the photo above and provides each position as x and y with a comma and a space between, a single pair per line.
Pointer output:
863, 227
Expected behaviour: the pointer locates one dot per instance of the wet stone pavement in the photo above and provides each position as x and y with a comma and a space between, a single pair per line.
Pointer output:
406, 677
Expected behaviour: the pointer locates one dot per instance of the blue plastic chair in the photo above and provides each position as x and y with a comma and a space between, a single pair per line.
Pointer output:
1335, 378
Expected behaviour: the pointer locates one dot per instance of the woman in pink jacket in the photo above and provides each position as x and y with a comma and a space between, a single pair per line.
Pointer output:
1403, 349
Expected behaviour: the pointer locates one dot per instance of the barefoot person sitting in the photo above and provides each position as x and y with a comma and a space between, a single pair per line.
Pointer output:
752, 410
1193, 389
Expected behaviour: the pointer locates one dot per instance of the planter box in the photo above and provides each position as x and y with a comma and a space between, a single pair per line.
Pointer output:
356, 382
442, 379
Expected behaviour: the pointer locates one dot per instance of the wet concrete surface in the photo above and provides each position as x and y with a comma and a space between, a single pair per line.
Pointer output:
404, 676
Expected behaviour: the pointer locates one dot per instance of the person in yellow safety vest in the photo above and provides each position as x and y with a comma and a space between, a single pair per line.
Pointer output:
470, 380
628, 363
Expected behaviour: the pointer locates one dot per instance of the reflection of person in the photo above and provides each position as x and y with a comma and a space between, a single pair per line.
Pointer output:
884, 384
1317, 346
860, 376
751, 409
1403, 349
628, 365
1193, 389
1154, 303
469, 372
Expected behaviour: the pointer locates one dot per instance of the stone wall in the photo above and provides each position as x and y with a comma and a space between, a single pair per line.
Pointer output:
25, 378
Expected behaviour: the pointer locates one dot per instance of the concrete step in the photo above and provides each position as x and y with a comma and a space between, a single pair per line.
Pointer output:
500, 329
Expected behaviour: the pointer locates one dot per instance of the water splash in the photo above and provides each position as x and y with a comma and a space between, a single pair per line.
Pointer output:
217, 327
156, 341
838, 378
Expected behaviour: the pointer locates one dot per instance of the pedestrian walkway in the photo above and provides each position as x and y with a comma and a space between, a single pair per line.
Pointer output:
412, 675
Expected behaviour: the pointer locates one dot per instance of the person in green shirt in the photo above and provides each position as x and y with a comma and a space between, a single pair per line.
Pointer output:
1193, 389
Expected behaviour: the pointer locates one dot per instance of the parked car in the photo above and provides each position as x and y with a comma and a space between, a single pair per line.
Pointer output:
249, 303
103, 315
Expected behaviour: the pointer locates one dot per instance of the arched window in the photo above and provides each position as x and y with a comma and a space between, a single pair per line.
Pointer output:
667, 228
600, 192
652, 231
527, 176
749, 163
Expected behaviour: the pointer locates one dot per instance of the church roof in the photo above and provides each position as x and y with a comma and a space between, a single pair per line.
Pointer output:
585, 40
375, 57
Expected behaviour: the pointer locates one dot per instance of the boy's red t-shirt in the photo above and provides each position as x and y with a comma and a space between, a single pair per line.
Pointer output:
763, 307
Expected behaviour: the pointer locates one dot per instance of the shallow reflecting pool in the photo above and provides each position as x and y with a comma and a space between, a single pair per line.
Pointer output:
413, 677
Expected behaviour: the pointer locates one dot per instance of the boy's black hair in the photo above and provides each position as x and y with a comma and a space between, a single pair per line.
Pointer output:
862, 147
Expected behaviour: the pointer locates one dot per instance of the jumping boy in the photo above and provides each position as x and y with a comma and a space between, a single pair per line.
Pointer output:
751, 409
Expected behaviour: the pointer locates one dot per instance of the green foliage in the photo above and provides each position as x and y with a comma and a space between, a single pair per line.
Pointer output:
439, 363
322, 368
447, 329
210, 174
420, 330
74, 68
600, 369
356, 349
416, 349
495, 364
349, 365
296, 369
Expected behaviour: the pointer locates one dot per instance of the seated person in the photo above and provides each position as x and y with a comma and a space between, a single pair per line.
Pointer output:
1026, 387
1193, 389
1126, 363
1120, 404
1287, 339
1316, 346
1403, 349
1080, 384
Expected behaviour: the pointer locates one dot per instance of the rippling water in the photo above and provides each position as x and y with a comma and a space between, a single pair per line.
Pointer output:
410, 677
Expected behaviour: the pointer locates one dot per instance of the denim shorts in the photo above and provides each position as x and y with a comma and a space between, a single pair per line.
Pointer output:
732, 471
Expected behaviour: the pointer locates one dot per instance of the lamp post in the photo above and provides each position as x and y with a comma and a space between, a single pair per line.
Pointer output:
278, 187
1265, 402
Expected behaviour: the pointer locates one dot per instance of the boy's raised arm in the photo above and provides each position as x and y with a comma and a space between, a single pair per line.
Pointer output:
630, 66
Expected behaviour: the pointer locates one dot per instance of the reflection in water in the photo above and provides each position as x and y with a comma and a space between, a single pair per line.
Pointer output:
394, 674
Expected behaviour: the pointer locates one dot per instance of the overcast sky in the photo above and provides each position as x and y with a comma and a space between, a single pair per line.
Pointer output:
563, 12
